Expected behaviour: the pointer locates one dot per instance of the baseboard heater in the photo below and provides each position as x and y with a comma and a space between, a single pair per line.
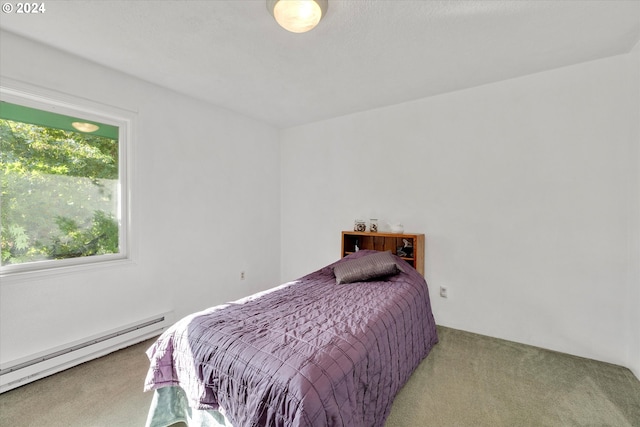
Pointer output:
22, 371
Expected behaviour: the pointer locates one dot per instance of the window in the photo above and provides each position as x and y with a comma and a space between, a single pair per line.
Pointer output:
63, 182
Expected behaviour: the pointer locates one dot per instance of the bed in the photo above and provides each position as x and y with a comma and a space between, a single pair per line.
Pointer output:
329, 349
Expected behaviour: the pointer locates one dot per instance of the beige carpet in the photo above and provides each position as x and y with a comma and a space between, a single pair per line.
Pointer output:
106, 392
474, 380
467, 380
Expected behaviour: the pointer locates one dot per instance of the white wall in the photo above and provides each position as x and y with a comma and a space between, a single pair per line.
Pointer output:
634, 228
205, 203
522, 188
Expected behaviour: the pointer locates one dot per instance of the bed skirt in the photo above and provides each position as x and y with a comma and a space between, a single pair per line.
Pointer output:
170, 405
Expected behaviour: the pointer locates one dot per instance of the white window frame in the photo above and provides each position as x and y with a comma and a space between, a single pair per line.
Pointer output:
43, 99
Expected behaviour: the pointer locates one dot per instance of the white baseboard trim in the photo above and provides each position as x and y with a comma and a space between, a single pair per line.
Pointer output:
31, 368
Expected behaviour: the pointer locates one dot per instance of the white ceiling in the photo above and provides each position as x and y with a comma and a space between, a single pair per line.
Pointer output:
364, 54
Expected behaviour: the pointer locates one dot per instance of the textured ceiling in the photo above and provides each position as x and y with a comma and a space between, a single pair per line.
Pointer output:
364, 54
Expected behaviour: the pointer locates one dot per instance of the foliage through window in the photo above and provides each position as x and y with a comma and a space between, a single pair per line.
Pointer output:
60, 186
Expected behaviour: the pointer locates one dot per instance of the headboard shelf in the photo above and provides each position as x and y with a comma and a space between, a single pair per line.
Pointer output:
413, 253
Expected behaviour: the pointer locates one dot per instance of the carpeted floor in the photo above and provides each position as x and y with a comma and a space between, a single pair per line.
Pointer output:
467, 380
474, 380
105, 392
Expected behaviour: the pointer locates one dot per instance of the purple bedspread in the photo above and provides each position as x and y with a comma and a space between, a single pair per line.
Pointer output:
310, 353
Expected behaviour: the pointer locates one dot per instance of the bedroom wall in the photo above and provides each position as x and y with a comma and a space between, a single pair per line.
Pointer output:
205, 205
522, 188
634, 235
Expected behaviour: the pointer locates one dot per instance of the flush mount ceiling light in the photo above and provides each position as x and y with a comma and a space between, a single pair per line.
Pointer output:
297, 16
85, 127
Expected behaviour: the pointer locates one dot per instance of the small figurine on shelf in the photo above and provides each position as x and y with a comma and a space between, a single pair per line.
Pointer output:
406, 250
397, 228
373, 225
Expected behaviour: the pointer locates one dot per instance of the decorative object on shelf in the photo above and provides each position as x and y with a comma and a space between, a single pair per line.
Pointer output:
406, 250
297, 16
373, 225
359, 225
397, 228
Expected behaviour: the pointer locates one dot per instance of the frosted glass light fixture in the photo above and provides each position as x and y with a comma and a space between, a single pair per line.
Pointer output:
297, 16
85, 127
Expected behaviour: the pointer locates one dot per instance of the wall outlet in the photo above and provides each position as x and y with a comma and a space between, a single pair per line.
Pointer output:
242, 275
444, 292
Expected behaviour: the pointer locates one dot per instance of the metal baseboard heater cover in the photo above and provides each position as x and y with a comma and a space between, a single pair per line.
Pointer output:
22, 371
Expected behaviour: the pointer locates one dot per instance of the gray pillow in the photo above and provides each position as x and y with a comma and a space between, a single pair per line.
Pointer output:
366, 268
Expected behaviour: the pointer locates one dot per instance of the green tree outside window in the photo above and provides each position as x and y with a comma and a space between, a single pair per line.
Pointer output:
59, 193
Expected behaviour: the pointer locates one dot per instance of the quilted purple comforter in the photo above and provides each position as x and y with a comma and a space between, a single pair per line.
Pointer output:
309, 353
